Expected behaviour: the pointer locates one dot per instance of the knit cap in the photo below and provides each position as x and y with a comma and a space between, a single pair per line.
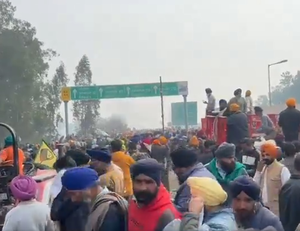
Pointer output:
183, 157
149, 167
225, 150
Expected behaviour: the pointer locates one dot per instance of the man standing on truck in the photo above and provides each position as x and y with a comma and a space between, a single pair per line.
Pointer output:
238, 99
7, 154
237, 125
289, 121
211, 101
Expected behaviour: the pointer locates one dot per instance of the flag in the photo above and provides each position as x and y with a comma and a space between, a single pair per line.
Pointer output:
45, 155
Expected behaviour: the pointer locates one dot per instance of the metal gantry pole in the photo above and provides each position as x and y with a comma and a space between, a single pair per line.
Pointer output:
66, 118
162, 104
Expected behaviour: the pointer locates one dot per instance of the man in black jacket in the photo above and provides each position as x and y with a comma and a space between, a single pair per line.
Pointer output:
248, 156
108, 211
289, 121
237, 125
289, 151
161, 154
289, 203
70, 215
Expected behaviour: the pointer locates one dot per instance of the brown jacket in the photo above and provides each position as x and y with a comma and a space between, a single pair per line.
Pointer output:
100, 208
274, 184
113, 180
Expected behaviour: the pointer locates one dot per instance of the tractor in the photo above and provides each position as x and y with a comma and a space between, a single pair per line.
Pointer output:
44, 179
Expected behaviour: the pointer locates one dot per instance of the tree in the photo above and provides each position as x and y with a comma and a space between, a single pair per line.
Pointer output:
59, 80
23, 68
262, 101
288, 87
286, 80
85, 113
7, 11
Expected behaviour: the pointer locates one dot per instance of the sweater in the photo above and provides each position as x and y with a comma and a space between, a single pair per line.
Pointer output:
124, 162
29, 215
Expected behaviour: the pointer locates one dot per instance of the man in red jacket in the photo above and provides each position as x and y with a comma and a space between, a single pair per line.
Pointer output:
152, 208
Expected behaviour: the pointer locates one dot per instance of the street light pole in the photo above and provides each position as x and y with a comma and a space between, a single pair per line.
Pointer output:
269, 85
269, 78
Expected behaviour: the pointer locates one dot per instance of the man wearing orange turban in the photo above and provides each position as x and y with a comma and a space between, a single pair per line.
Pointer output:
289, 121
234, 107
271, 175
156, 142
237, 125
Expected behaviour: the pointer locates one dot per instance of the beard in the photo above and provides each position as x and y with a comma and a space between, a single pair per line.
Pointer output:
268, 161
243, 216
228, 168
145, 197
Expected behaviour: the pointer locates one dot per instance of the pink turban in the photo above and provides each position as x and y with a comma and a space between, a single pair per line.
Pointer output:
23, 188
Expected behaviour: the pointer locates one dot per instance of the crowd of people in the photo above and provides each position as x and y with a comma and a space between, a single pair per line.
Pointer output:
125, 186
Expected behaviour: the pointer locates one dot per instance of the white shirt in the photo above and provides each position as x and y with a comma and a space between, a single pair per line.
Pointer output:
57, 185
249, 102
29, 215
211, 103
56, 152
285, 176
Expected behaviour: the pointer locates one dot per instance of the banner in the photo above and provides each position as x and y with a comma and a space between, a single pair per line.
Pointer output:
45, 155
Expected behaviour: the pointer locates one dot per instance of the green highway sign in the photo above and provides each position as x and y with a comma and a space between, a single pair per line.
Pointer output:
126, 91
178, 115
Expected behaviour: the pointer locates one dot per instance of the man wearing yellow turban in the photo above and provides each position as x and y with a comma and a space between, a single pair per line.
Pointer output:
212, 195
271, 175
289, 121
237, 125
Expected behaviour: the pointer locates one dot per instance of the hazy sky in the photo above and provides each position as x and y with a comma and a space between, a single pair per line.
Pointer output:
219, 44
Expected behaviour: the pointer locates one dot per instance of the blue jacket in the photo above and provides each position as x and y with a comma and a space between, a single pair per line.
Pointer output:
220, 220
183, 194
262, 219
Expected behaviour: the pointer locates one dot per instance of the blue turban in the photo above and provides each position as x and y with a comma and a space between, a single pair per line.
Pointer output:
102, 155
136, 139
247, 185
149, 167
79, 178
